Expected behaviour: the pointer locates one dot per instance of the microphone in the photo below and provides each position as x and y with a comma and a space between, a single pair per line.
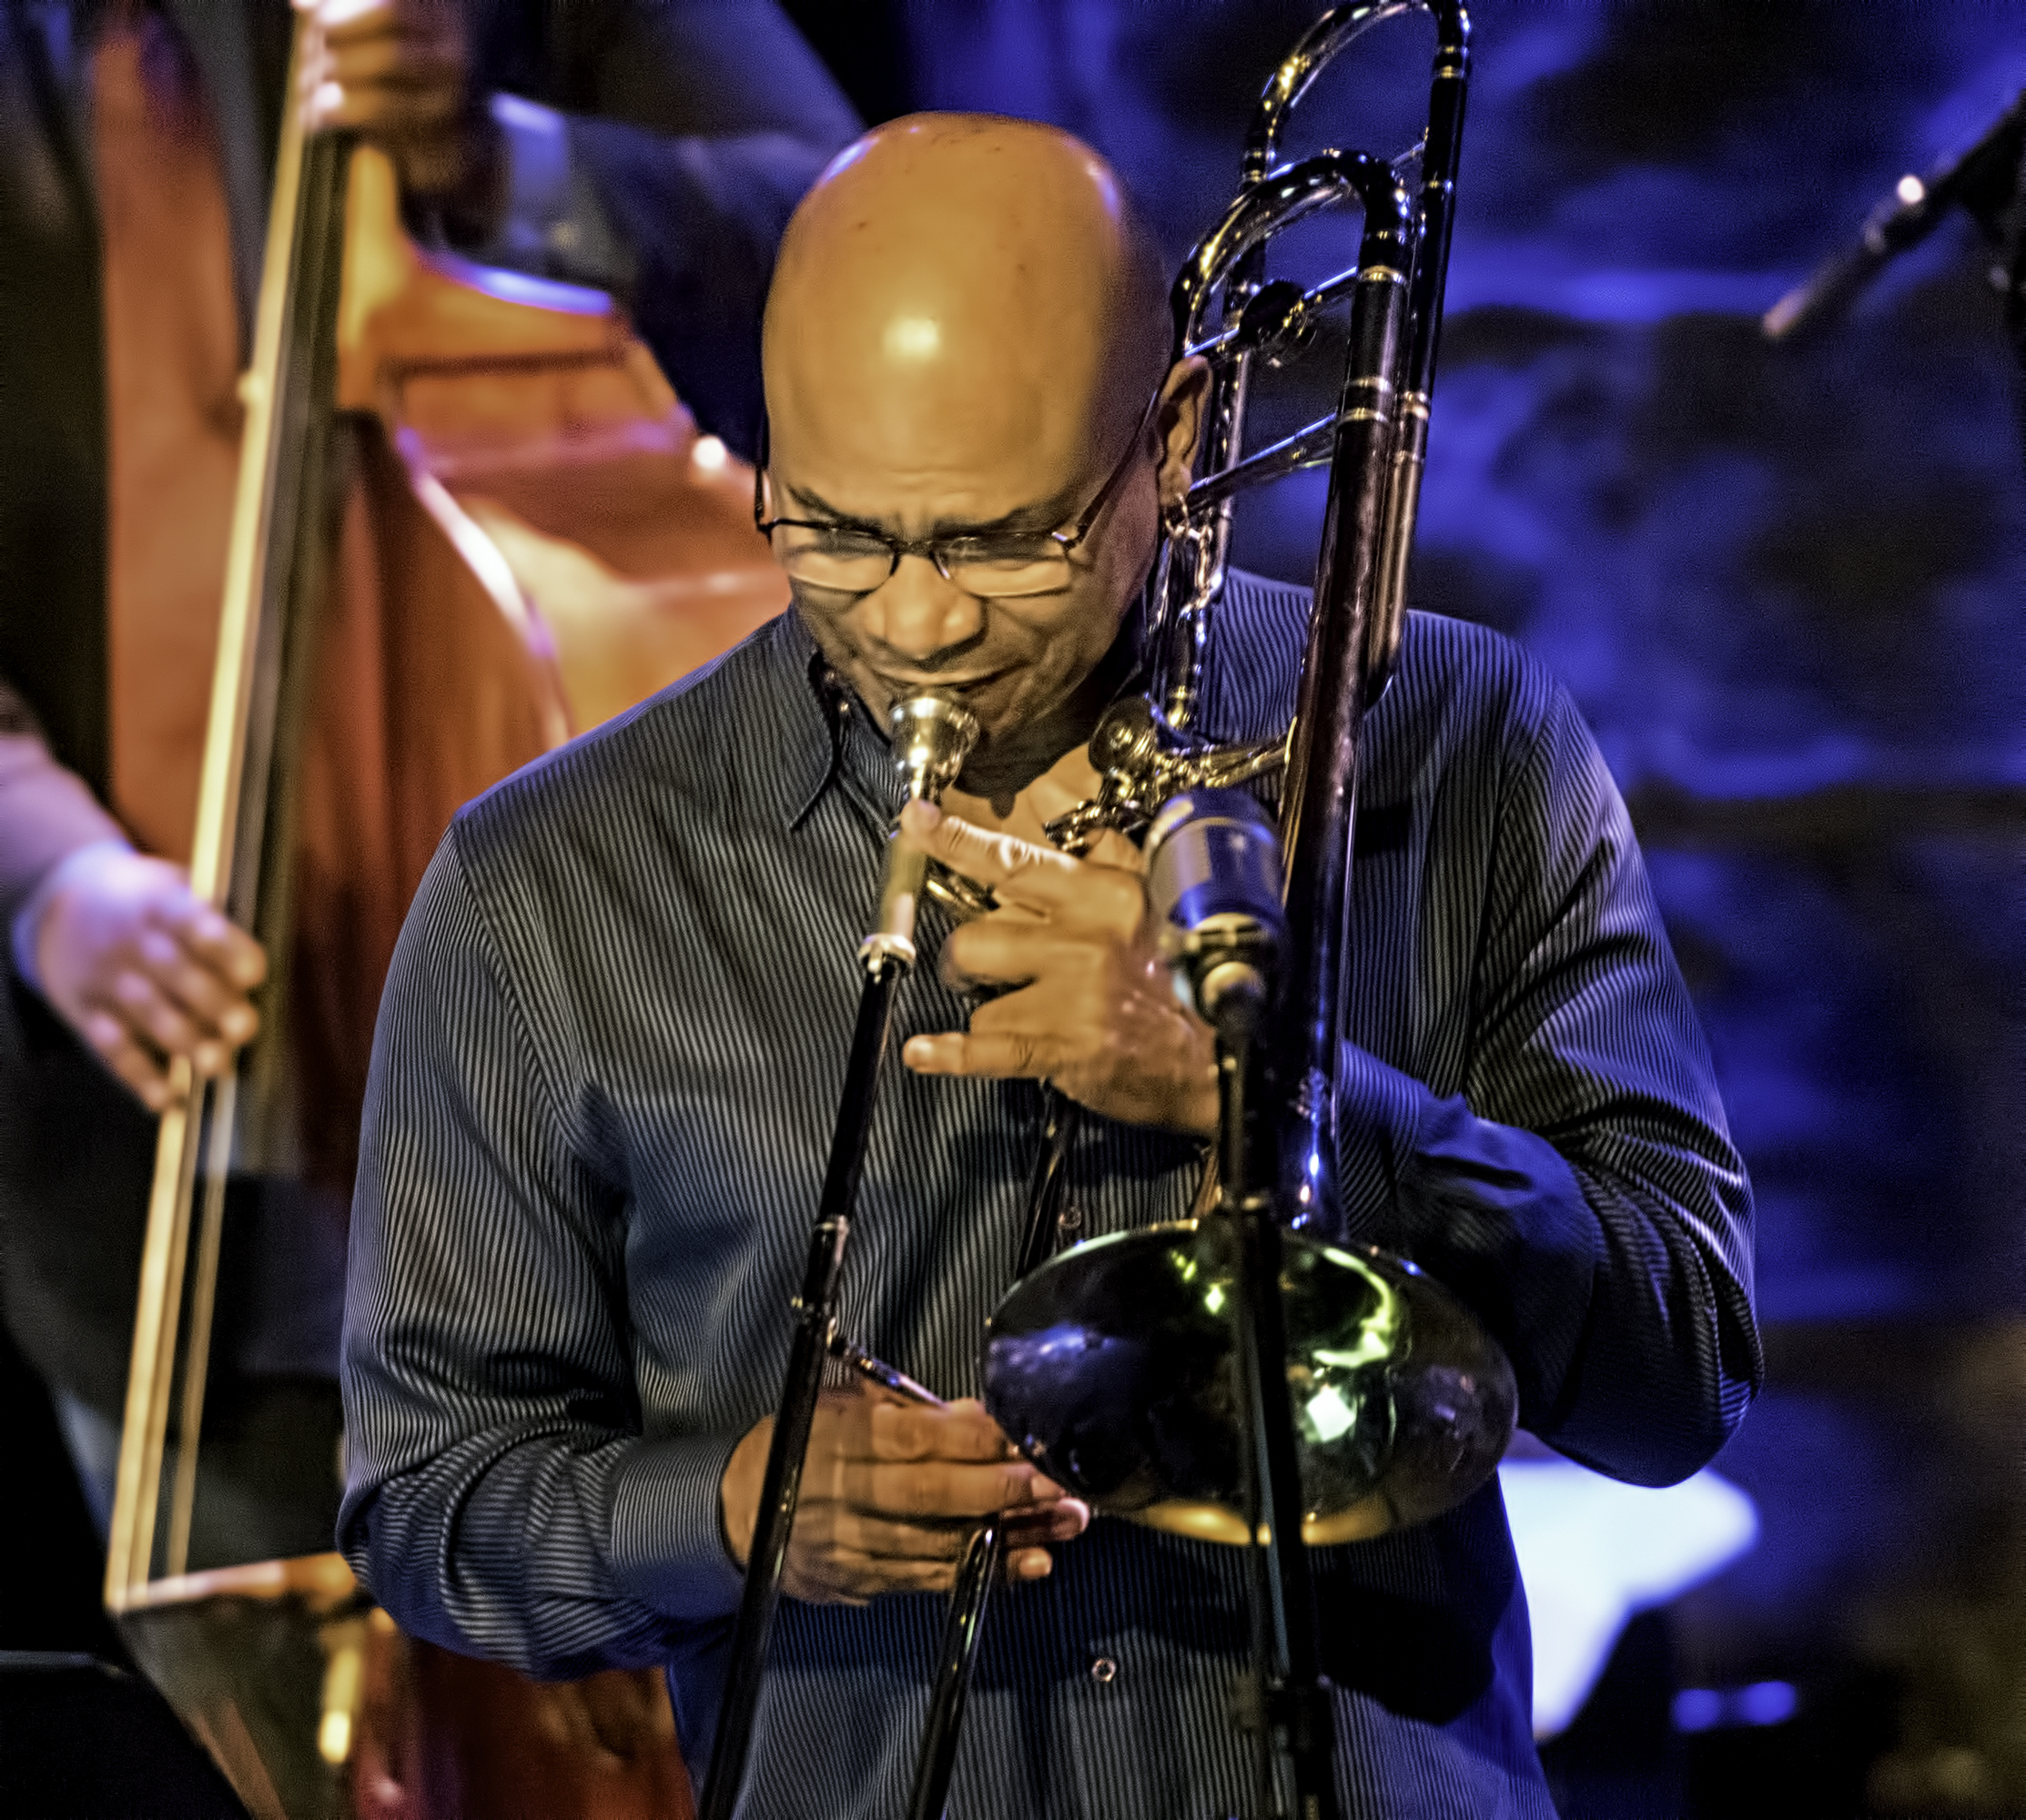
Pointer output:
1983, 179
1215, 880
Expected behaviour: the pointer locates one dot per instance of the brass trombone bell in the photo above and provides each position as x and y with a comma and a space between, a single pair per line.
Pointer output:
1113, 1368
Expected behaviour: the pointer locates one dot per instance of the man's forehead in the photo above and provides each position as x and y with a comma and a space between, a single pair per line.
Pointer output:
946, 352
923, 324
929, 489
998, 256
1002, 438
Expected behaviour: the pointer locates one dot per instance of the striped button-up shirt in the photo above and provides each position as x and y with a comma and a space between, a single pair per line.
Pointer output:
607, 1066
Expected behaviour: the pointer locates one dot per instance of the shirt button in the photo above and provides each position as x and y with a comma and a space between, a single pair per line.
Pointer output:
1069, 1223
1104, 1671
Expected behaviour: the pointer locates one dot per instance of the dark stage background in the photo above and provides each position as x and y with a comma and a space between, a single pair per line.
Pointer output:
1785, 587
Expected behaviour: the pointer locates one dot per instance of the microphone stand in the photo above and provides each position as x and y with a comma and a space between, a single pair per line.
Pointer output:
1986, 182
932, 737
1213, 873
1294, 1698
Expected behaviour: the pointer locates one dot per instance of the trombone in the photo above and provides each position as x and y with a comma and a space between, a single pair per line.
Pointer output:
1309, 1393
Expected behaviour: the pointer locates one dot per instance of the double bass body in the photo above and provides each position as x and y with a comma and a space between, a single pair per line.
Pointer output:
472, 519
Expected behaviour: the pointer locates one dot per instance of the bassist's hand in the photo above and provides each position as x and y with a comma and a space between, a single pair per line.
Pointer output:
143, 969
397, 73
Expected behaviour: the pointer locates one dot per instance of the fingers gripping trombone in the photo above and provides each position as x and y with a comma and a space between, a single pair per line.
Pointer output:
898, 1481
1083, 997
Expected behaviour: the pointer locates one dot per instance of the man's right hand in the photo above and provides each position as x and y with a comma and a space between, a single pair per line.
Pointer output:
144, 970
890, 1493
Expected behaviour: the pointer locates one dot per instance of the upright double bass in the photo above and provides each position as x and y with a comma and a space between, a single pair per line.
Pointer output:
471, 520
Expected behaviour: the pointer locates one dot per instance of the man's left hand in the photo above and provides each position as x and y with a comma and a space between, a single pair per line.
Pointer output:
395, 72
1094, 1009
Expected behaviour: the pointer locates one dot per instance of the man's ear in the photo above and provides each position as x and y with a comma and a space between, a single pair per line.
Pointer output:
1179, 422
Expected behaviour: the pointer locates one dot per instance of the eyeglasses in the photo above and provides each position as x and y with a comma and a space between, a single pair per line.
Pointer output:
856, 559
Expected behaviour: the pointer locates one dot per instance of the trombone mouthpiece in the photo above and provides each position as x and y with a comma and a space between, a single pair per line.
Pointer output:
932, 736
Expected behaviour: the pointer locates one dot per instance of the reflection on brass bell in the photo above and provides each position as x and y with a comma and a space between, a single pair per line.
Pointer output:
1113, 1368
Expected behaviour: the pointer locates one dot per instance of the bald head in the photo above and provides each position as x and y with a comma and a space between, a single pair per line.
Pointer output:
968, 320
958, 284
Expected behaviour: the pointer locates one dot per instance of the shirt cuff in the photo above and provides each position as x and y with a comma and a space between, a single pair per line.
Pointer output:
553, 222
25, 930
667, 1530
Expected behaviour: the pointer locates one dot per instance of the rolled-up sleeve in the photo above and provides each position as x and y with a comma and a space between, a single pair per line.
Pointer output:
1582, 1194
500, 1498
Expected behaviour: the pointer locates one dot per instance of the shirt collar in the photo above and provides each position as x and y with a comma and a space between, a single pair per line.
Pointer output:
828, 737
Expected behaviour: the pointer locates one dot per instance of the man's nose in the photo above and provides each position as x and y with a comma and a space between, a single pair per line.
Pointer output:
919, 613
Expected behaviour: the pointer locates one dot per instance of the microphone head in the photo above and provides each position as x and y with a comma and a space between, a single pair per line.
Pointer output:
1214, 876
1214, 854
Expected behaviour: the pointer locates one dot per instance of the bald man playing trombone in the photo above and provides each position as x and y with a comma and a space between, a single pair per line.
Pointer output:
612, 1041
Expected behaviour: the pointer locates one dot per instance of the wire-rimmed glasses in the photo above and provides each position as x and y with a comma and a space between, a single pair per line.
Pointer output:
852, 558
